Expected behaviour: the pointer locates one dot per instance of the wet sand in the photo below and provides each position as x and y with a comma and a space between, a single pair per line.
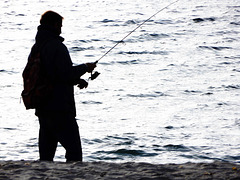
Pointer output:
130, 170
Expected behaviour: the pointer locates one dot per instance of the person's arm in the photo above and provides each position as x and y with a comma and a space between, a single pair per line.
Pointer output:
65, 70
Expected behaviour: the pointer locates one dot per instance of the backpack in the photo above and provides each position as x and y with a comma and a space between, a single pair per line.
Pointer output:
36, 86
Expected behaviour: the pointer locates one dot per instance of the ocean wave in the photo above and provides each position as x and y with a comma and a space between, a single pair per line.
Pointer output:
107, 21
145, 37
235, 23
173, 147
153, 36
128, 62
232, 158
229, 87
7, 71
144, 52
217, 48
81, 48
165, 22
153, 95
236, 70
131, 22
197, 20
127, 152
226, 87
91, 102
192, 91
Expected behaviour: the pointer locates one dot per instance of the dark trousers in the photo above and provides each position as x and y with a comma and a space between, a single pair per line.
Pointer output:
62, 128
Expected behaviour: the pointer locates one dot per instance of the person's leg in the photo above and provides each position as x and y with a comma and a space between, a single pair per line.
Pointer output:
70, 139
47, 140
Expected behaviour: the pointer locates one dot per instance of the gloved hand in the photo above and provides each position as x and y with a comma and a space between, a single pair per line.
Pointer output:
82, 83
90, 67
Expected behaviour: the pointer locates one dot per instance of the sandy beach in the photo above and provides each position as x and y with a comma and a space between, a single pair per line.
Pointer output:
103, 170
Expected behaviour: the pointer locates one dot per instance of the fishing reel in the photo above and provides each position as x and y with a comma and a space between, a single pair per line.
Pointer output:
84, 84
94, 75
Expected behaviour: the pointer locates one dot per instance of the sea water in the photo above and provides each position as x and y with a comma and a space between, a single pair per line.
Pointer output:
170, 93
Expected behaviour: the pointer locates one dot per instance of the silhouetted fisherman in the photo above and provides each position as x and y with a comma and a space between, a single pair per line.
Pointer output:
57, 114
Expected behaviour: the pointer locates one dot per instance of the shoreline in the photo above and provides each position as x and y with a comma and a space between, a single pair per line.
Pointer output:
105, 170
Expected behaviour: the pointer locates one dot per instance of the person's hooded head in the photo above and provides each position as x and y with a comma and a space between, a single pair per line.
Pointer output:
52, 19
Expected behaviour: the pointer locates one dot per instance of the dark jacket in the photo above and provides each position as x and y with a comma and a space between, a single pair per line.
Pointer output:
59, 69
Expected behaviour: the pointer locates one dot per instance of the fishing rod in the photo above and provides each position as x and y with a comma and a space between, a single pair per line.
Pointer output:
96, 74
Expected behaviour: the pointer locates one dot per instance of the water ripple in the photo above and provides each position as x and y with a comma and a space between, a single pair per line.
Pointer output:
156, 94
144, 52
217, 48
127, 152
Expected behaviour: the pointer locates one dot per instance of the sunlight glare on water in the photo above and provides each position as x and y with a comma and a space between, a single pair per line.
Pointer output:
168, 94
